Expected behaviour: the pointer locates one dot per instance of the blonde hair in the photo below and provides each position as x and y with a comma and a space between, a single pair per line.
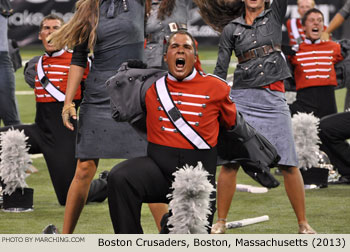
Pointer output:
80, 28
312, 2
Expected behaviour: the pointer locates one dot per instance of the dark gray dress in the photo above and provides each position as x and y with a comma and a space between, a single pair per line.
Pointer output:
345, 13
120, 36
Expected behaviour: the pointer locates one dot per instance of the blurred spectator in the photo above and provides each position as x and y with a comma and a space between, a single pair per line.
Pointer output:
8, 107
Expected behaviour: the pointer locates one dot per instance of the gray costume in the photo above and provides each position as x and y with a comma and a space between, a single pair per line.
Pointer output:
120, 36
157, 31
8, 106
345, 13
239, 37
265, 109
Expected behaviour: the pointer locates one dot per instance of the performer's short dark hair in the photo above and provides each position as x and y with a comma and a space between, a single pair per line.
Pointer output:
51, 17
185, 32
313, 10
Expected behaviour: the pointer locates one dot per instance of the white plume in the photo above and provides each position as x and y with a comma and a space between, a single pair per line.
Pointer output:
15, 159
190, 201
305, 130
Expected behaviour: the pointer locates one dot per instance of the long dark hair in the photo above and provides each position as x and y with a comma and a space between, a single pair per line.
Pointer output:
218, 13
166, 7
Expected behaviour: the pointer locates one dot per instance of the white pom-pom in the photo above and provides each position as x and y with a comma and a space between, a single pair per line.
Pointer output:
15, 160
190, 201
305, 130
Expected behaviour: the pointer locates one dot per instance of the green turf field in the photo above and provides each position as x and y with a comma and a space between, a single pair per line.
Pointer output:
328, 209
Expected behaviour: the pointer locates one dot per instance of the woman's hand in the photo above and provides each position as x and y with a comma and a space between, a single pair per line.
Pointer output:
68, 112
324, 36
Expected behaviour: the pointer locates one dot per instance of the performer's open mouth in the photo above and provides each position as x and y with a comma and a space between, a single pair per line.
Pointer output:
180, 63
315, 31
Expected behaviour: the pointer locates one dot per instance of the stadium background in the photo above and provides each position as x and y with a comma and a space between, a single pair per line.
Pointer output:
28, 14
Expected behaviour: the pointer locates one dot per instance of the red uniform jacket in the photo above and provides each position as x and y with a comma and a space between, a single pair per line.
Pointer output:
56, 68
202, 100
314, 64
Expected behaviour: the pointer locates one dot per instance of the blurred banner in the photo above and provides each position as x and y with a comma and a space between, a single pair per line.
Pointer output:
24, 23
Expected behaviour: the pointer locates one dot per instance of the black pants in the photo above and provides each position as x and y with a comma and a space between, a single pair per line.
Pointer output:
148, 180
317, 100
334, 131
57, 143
49, 137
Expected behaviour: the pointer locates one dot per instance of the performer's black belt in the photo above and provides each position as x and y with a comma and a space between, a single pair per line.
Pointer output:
258, 52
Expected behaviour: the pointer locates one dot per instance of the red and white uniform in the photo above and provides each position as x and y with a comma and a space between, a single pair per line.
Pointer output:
203, 100
295, 30
314, 64
48, 135
56, 68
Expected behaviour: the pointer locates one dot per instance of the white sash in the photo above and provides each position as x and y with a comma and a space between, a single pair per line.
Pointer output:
295, 31
176, 118
47, 85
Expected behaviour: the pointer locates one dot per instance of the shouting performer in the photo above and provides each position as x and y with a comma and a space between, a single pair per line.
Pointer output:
295, 29
162, 18
172, 144
314, 73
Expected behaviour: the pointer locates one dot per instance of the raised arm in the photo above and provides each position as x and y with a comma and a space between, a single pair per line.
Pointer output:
279, 7
226, 47
337, 20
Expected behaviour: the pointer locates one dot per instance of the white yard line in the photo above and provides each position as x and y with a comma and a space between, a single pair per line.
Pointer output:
34, 156
24, 92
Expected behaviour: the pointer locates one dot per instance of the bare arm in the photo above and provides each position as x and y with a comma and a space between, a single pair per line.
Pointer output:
337, 21
74, 79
